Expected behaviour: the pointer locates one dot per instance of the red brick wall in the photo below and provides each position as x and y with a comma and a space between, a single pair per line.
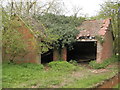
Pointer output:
64, 54
32, 55
107, 50
99, 52
60, 55
56, 54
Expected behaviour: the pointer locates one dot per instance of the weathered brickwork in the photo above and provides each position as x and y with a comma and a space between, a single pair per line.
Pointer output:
107, 50
31, 56
99, 52
94, 28
60, 54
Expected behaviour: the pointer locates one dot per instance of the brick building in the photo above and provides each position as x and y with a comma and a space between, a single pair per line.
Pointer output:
94, 42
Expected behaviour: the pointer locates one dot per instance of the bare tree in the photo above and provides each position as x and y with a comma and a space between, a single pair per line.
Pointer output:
76, 10
57, 7
32, 7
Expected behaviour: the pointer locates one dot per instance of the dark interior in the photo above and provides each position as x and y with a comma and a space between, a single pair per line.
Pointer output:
83, 52
47, 57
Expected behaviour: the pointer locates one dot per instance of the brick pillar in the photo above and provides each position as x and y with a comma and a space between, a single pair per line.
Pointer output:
38, 59
99, 52
56, 54
64, 54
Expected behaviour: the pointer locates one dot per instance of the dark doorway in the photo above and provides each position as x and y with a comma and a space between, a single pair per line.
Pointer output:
47, 57
83, 51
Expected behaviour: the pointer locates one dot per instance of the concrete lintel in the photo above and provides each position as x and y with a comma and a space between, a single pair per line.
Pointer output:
87, 40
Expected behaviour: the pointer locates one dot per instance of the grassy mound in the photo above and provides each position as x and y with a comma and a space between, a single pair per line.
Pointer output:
32, 66
62, 66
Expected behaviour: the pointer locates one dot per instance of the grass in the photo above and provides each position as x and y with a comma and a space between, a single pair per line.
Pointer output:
25, 76
117, 86
105, 63
0, 75
88, 82
58, 76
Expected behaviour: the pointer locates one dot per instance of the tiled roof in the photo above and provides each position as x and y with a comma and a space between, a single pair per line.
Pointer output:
93, 27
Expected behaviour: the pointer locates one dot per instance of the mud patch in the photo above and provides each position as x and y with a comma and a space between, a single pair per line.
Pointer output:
99, 71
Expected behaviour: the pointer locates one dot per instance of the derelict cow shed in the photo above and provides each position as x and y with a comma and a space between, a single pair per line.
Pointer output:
94, 41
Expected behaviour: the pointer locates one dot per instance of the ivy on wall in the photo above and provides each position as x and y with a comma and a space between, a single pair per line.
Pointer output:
63, 27
13, 43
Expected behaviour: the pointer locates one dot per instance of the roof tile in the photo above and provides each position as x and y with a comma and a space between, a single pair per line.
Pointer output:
93, 27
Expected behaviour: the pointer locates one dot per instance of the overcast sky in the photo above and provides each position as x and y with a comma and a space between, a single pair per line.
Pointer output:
89, 7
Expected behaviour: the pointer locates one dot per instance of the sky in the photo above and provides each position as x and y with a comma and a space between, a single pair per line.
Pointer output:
89, 7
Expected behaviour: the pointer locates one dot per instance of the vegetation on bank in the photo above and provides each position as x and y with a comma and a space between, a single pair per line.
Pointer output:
104, 64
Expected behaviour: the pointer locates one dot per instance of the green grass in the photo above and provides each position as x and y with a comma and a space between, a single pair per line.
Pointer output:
60, 75
0, 75
105, 63
26, 75
62, 66
117, 86
89, 81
